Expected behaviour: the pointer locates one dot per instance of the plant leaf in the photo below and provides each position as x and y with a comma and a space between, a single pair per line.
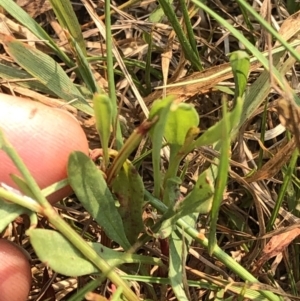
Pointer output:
221, 181
160, 108
103, 115
9, 212
214, 133
240, 64
198, 200
181, 119
47, 71
10, 72
19, 14
129, 189
54, 249
68, 20
83, 66
92, 191
176, 269
181, 35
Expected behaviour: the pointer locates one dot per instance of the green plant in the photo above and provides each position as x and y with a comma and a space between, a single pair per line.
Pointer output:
115, 194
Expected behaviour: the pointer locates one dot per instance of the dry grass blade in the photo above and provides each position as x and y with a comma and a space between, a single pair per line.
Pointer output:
290, 27
274, 165
207, 80
277, 245
289, 116
35, 7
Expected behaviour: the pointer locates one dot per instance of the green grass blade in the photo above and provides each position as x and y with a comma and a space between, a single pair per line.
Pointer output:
184, 42
83, 66
240, 64
158, 14
277, 76
19, 14
189, 28
68, 20
249, 25
283, 189
8, 72
271, 30
48, 72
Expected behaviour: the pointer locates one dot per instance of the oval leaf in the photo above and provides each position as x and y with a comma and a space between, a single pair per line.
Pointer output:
54, 249
93, 193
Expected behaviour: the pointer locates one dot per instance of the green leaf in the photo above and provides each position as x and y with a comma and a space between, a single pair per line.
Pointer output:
22, 185
214, 133
178, 153
68, 20
9, 212
181, 119
129, 189
9, 72
83, 66
103, 115
181, 34
188, 27
24, 188
19, 14
180, 132
160, 108
221, 181
91, 189
198, 200
158, 14
177, 275
54, 249
172, 191
55, 187
48, 72
240, 64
